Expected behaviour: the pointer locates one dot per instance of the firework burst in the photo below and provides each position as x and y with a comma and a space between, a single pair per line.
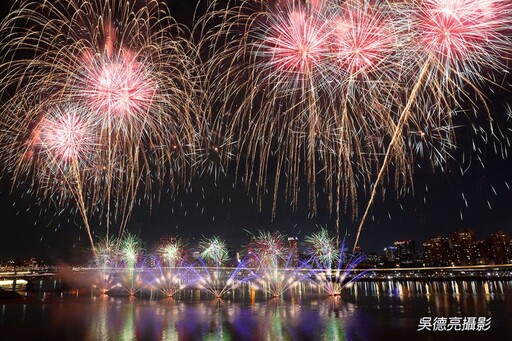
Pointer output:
121, 91
54, 153
214, 249
456, 45
463, 36
270, 247
127, 67
129, 250
172, 251
304, 84
266, 62
323, 247
293, 45
67, 137
63, 139
334, 92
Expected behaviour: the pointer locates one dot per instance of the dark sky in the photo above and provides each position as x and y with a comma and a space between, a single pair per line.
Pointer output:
436, 208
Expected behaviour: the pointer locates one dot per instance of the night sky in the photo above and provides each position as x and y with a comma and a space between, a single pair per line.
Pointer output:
437, 206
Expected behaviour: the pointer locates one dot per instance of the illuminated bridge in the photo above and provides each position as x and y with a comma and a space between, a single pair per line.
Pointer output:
10, 278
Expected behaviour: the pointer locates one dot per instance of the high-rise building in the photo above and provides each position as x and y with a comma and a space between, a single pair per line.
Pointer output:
149, 260
483, 253
500, 247
464, 247
406, 250
373, 259
437, 251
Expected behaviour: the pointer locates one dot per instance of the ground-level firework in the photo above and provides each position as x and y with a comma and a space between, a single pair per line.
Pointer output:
269, 267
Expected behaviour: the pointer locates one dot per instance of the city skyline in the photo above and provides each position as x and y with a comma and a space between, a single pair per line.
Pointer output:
458, 248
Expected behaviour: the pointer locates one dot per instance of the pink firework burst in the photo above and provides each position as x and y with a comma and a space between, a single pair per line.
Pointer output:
120, 88
65, 135
363, 40
463, 35
294, 44
269, 247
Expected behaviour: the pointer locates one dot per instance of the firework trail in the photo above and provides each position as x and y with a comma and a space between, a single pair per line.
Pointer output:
364, 59
457, 45
125, 66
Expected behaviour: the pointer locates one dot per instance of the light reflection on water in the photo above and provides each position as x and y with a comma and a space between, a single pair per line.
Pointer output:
104, 318
366, 311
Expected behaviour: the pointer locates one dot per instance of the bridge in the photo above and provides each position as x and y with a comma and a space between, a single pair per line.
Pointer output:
12, 277
23, 276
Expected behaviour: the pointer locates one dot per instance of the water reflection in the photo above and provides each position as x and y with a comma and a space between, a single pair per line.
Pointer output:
438, 298
365, 310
